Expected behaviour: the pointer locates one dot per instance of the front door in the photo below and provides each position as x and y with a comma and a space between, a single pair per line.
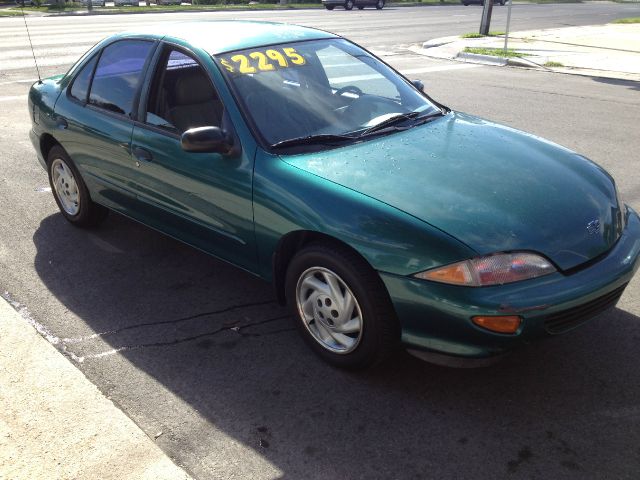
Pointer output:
204, 199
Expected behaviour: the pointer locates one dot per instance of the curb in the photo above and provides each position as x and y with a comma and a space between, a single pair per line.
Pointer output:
438, 42
498, 61
536, 56
483, 59
55, 423
522, 62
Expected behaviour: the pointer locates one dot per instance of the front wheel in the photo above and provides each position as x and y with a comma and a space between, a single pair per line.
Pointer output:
70, 192
348, 5
341, 307
329, 7
380, 4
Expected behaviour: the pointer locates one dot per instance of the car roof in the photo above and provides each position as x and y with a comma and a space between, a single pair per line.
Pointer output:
220, 36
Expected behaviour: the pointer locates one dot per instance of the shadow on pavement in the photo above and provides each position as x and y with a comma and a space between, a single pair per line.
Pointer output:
613, 81
557, 409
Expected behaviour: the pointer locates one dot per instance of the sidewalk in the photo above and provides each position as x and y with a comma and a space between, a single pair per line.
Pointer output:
55, 424
611, 50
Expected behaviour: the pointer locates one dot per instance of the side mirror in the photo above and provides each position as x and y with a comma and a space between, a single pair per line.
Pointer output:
206, 140
418, 84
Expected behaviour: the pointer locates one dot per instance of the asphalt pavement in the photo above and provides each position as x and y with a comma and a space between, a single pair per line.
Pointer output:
198, 350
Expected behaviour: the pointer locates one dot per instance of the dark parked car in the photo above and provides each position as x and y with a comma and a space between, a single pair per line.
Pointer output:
349, 4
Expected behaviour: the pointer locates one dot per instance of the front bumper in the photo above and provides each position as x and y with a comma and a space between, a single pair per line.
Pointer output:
437, 317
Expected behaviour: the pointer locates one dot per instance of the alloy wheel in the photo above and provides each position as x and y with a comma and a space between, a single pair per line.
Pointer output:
329, 310
65, 186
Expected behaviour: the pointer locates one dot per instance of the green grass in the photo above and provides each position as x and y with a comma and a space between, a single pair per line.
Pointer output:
628, 20
496, 52
207, 8
55, 8
553, 64
479, 35
10, 13
169, 8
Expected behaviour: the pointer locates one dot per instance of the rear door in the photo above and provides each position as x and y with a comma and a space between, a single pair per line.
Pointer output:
95, 119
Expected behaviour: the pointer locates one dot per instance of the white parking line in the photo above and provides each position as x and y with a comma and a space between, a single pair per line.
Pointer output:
12, 98
408, 71
24, 80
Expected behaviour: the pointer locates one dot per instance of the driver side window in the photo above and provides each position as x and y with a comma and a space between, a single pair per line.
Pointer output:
182, 96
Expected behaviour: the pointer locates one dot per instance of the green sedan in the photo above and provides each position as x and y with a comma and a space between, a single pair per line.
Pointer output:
380, 216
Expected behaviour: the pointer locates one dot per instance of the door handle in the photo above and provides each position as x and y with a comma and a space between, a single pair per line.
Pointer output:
142, 154
62, 123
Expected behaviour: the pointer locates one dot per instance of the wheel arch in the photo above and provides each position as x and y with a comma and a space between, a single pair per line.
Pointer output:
289, 245
47, 142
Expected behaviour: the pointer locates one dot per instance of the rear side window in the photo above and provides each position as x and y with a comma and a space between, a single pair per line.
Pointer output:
118, 75
80, 87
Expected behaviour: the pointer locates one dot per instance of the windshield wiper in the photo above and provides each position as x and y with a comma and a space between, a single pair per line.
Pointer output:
321, 139
392, 121
401, 117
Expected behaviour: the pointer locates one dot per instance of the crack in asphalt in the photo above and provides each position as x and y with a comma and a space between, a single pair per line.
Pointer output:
61, 343
166, 322
194, 337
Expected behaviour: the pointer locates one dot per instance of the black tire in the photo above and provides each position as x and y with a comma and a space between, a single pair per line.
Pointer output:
348, 5
502, 2
89, 214
379, 4
360, 7
329, 7
379, 333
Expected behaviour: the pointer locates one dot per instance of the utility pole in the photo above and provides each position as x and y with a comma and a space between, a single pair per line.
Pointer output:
506, 34
486, 17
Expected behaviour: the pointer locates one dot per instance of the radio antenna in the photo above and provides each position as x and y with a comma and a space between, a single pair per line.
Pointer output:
24, 17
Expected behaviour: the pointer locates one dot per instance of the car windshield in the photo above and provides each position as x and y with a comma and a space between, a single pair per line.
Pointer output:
326, 89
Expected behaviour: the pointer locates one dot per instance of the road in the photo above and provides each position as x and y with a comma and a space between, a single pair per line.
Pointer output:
197, 353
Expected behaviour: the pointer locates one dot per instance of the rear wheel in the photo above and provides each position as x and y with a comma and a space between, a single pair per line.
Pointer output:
360, 7
70, 192
341, 307
329, 7
380, 4
348, 5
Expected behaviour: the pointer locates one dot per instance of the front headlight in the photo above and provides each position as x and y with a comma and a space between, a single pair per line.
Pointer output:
491, 270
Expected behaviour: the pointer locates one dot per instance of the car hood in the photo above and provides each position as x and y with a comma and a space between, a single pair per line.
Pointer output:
491, 187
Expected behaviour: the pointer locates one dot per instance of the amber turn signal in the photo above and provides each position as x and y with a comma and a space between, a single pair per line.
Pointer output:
502, 324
